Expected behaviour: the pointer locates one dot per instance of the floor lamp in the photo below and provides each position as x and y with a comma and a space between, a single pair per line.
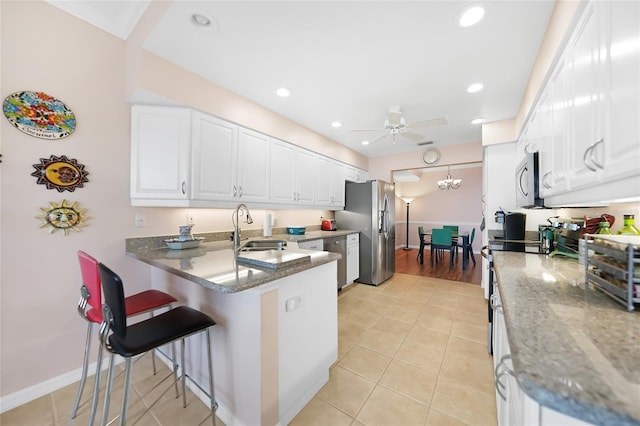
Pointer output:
407, 200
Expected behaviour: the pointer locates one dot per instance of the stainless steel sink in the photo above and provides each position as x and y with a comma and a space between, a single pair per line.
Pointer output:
260, 245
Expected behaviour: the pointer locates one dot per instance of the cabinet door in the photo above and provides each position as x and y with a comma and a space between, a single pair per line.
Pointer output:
305, 184
557, 181
160, 147
213, 159
622, 38
338, 176
253, 166
323, 181
353, 257
283, 170
586, 112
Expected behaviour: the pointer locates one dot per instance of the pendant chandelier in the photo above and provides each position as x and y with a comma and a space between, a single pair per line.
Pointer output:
449, 182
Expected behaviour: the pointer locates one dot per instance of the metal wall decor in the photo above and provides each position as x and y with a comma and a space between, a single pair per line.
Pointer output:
40, 115
60, 173
63, 216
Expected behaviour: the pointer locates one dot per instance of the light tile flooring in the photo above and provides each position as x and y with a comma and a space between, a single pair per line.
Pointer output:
411, 352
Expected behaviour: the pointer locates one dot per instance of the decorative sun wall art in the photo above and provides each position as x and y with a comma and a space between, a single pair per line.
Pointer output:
63, 216
40, 115
60, 173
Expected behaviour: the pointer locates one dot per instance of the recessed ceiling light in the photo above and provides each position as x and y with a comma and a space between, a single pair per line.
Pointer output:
477, 121
475, 87
284, 92
365, 142
471, 16
336, 124
203, 21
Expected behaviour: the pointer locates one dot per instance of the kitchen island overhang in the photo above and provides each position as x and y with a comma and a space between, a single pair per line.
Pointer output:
276, 336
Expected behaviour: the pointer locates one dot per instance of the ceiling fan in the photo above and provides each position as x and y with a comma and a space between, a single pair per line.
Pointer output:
395, 125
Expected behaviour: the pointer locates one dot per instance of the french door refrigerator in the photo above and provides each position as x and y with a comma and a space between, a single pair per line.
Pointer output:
370, 210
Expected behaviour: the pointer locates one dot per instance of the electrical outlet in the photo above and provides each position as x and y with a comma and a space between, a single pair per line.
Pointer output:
140, 220
190, 219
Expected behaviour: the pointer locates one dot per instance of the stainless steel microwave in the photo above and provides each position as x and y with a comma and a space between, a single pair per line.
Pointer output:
527, 183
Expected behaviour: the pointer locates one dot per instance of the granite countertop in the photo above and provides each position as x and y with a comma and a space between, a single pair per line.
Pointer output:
214, 266
574, 349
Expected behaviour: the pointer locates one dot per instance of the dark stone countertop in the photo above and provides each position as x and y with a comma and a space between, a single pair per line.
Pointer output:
574, 349
214, 266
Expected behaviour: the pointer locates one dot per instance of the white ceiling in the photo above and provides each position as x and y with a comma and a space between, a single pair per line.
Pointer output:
351, 61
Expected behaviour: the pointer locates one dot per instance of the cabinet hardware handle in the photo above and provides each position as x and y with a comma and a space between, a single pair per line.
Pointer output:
184, 187
593, 157
235, 191
494, 304
588, 152
545, 179
497, 375
523, 174
241, 191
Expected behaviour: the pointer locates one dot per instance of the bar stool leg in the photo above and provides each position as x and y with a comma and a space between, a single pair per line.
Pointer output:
96, 388
175, 368
211, 388
184, 375
83, 376
107, 394
125, 395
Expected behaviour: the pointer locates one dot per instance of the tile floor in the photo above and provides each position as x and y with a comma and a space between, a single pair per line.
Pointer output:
411, 352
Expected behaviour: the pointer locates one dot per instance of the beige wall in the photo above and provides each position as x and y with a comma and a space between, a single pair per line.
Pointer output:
433, 207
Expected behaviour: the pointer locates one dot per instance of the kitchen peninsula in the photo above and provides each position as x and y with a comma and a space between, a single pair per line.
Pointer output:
276, 332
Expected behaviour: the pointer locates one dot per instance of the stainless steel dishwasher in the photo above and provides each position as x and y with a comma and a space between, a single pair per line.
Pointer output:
338, 245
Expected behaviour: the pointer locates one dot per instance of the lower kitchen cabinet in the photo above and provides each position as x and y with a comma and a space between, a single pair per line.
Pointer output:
353, 257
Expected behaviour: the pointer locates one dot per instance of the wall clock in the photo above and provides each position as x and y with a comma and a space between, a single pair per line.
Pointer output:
431, 156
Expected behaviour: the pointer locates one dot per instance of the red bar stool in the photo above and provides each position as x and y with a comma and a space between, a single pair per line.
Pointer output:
90, 308
131, 340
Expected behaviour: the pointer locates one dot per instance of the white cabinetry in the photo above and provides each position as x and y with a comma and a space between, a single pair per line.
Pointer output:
594, 149
292, 177
353, 257
253, 165
160, 154
215, 154
317, 245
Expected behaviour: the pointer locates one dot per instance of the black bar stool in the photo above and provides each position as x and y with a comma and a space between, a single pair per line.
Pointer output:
129, 341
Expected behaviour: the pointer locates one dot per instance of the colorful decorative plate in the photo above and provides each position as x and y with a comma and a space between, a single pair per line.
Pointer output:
60, 173
40, 115
64, 216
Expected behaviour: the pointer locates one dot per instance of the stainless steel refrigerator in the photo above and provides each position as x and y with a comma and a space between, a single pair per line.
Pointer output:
370, 209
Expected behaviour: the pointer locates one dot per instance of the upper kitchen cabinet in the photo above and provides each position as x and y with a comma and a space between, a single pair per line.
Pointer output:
292, 177
587, 113
160, 155
329, 183
253, 165
215, 158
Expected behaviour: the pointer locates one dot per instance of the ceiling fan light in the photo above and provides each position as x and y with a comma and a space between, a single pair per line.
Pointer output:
471, 16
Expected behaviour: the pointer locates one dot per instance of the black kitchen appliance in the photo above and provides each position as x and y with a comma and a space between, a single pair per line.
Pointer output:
514, 229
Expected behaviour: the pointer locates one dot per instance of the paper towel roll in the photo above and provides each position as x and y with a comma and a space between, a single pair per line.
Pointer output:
267, 225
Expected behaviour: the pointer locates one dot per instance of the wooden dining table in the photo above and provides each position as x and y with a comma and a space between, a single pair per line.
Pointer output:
455, 238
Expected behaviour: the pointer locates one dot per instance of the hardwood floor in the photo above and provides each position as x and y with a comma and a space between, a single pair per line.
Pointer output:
407, 263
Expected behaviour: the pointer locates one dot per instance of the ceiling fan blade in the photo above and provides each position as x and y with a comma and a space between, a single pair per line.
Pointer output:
394, 117
430, 123
413, 136
380, 136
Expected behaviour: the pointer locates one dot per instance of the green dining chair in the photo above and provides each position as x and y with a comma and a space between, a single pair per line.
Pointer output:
469, 247
454, 240
423, 243
440, 242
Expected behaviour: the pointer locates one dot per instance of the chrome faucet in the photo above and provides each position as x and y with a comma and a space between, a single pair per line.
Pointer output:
236, 227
